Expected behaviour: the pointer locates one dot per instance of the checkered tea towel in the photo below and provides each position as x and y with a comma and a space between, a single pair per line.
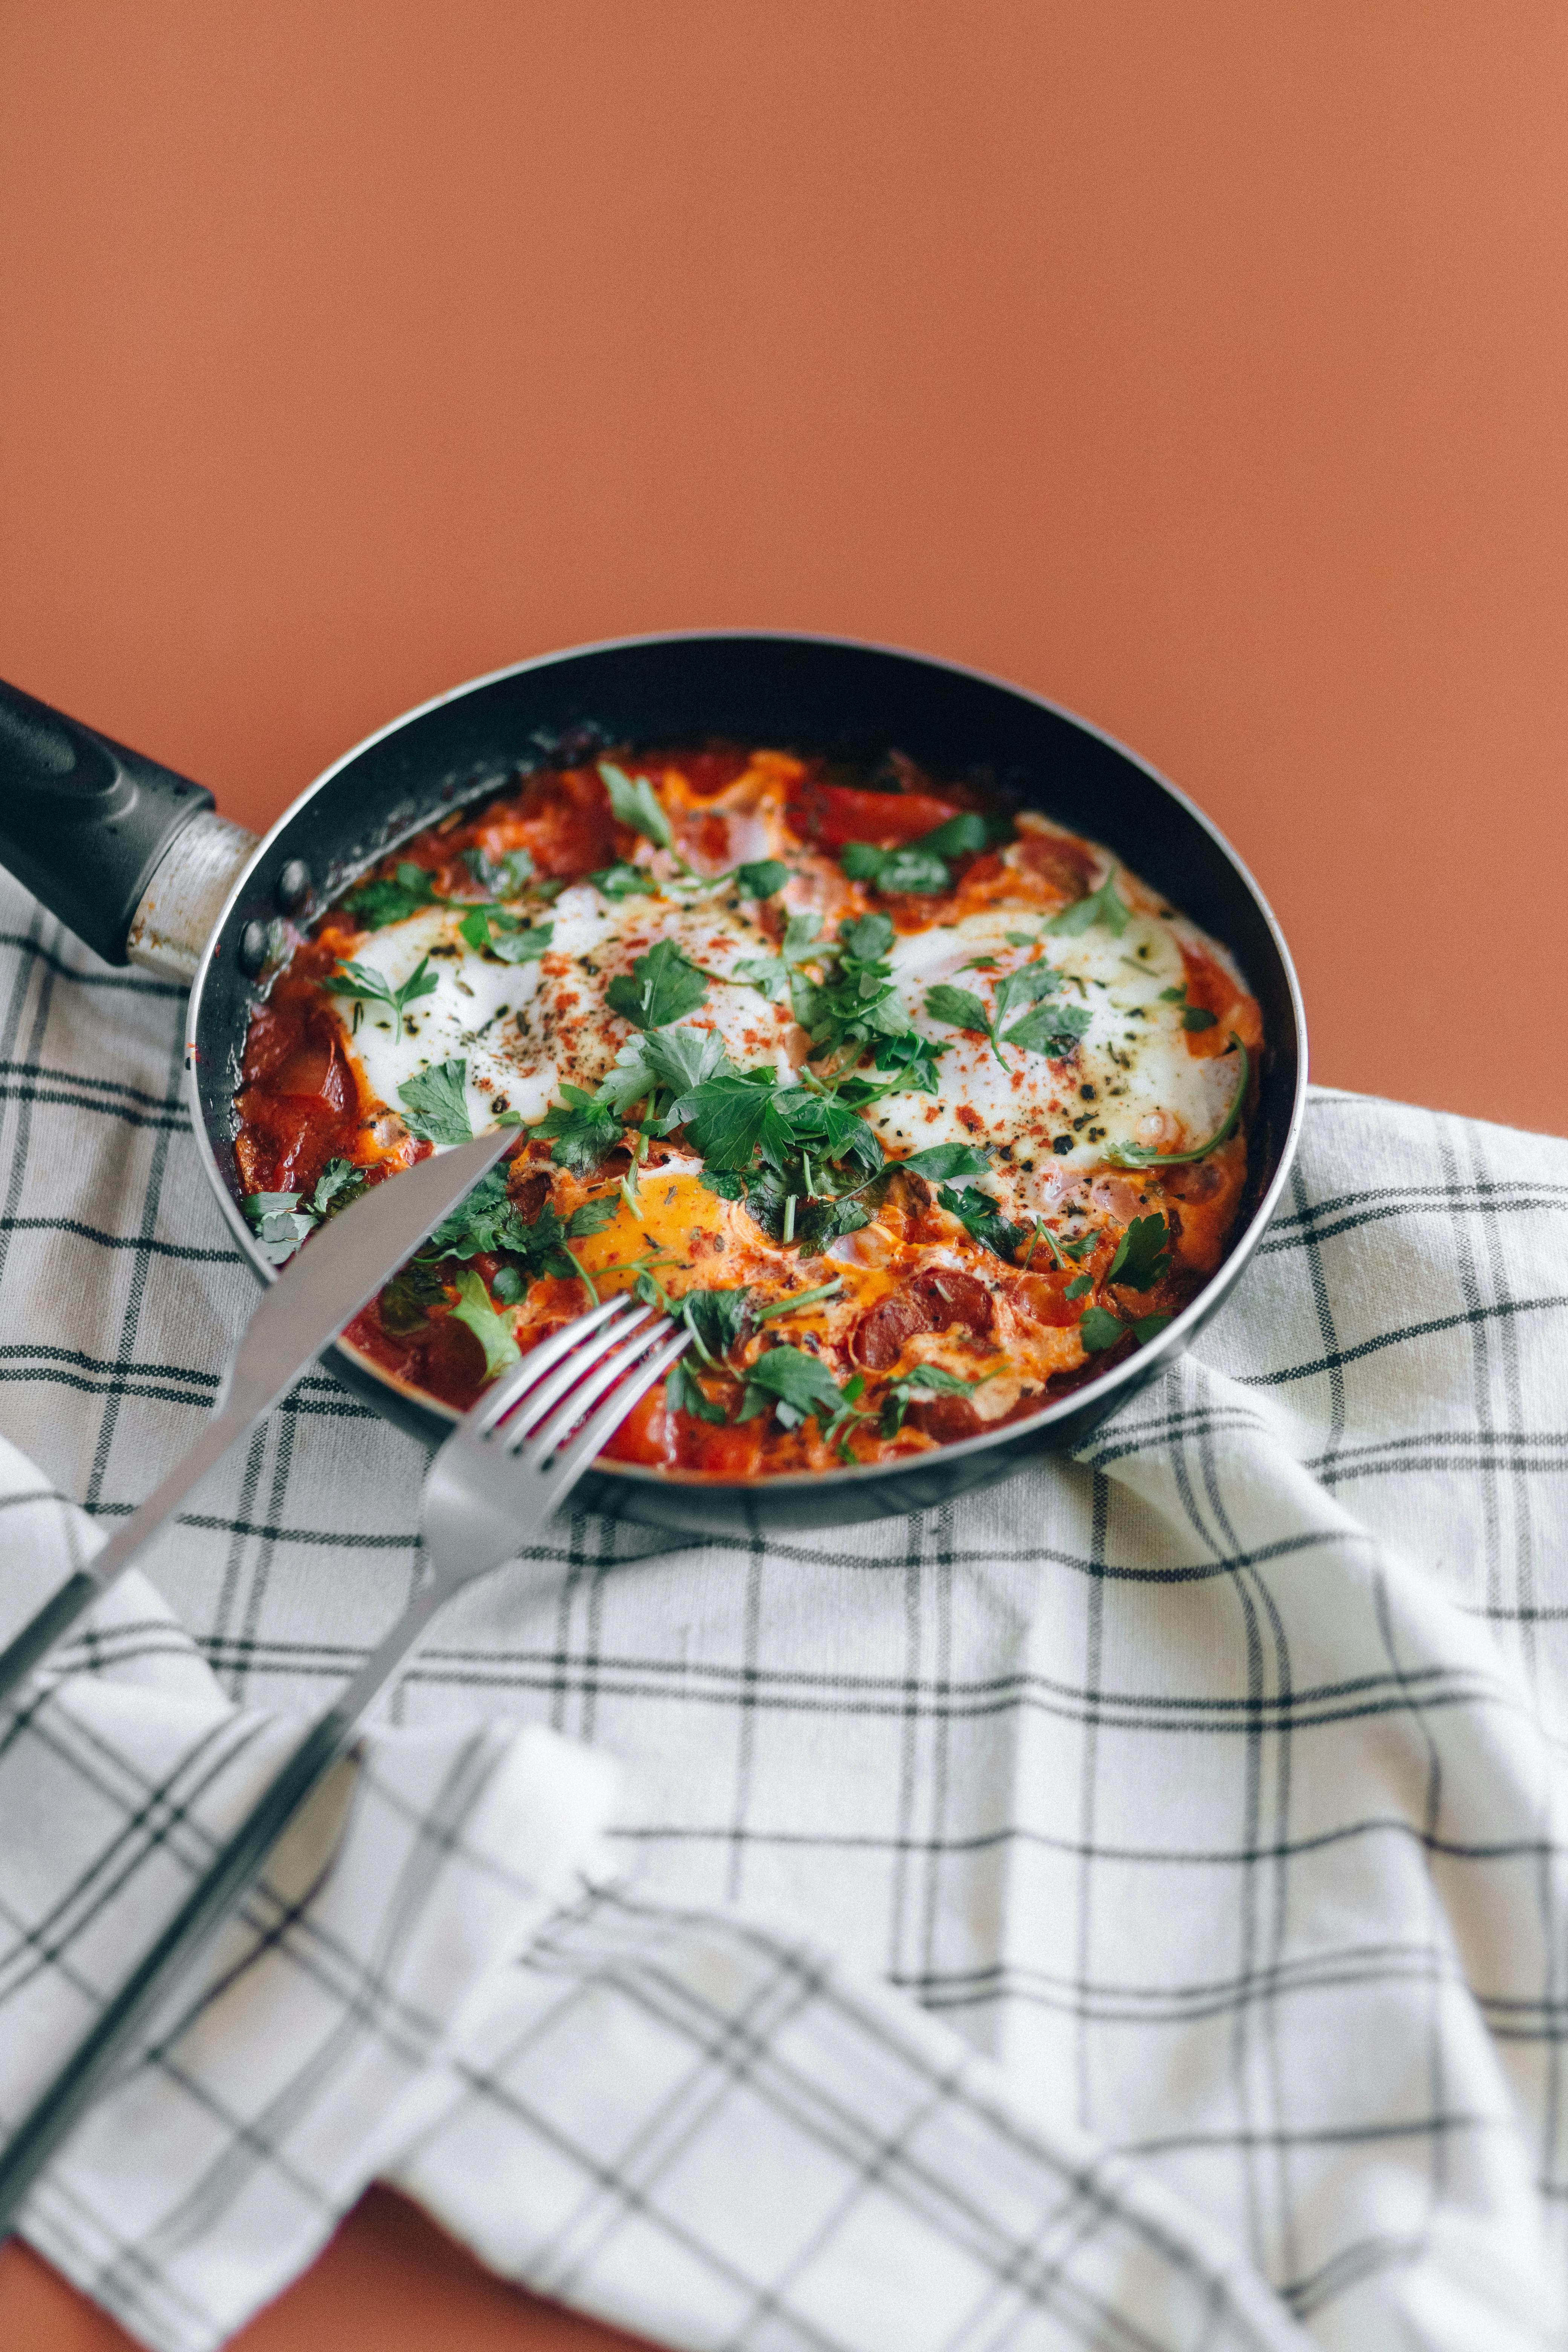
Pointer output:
1125, 1909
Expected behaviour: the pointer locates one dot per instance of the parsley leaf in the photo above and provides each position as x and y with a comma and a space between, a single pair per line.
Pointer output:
486, 1220
383, 901
434, 1104
715, 1319
683, 1392
776, 976
1080, 1287
940, 1161
1099, 1329
682, 1059
339, 1184
1050, 1029
625, 882
795, 1385
958, 1006
1103, 906
1025, 985
868, 938
281, 1223
1142, 1254
358, 979
493, 1331
662, 986
819, 1223
963, 835
504, 878
584, 1131
912, 870
405, 1303
912, 1388
636, 803
762, 879
921, 866
1194, 1016
727, 1118
981, 1218
910, 1057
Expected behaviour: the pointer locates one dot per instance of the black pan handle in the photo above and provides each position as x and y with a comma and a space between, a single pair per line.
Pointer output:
83, 821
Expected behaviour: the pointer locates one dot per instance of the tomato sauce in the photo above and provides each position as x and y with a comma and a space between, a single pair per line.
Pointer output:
914, 1290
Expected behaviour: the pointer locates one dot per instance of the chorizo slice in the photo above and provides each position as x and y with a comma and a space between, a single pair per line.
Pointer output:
939, 1299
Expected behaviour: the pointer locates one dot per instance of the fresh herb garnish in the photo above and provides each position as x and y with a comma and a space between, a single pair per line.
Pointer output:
281, 1223
763, 878
796, 1386
1047, 1029
777, 976
625, 882
920, 867
585, 1131
912, 1059
683, 1392
635, 805
504, 878
663, 985
1139, 1155
1103, 906
1099, 1329
494, 1333
283, 1220
358, 979
435, 1103
981, 1218
1050, 1029
387, 900
942, 1161
1142, 1254
1194, 1016
491, 930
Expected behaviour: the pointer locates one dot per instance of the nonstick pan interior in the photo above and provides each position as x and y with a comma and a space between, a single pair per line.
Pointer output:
814, 694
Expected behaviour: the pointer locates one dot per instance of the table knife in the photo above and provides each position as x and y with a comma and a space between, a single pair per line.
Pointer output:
323, 1286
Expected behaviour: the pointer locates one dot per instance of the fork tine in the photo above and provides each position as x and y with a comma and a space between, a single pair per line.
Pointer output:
497, 1401
533, 1427
579, 1451
571, 1370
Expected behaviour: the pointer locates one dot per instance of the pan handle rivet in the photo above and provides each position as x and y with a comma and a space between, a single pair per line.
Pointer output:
253, 945
293, 885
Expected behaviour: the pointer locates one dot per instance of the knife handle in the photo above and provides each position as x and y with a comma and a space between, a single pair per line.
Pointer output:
84, 823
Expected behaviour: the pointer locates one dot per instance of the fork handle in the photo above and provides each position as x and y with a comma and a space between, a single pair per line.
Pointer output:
223, 1886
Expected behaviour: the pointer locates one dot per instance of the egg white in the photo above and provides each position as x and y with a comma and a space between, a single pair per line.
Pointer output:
524, 1030
1054, 1119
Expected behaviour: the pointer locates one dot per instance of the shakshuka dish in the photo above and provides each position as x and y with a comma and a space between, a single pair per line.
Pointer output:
915, 1108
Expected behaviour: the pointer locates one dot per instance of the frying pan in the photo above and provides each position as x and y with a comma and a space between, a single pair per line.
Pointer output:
134, 860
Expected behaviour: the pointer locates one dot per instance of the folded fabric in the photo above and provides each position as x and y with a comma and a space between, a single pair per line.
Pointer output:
703, 2127
1210, 1787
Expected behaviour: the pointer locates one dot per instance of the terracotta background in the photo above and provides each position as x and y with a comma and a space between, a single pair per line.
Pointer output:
1203, 367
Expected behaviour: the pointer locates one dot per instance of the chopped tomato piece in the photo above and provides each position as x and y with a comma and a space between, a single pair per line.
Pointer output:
832, 815
647, 1434
728, 1453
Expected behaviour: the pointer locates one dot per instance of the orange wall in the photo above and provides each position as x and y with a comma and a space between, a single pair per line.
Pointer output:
1202, 366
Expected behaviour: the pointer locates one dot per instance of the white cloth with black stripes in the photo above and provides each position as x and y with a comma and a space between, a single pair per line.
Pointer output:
1126, 1909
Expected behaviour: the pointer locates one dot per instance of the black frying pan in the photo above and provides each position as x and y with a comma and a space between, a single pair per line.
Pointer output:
133, 859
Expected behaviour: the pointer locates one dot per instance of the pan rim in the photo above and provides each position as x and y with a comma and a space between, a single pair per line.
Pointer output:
1132, 1374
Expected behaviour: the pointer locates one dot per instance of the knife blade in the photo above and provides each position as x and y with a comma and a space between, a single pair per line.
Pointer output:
323, 1286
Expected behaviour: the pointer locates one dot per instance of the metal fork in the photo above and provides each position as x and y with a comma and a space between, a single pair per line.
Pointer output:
507, 1466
